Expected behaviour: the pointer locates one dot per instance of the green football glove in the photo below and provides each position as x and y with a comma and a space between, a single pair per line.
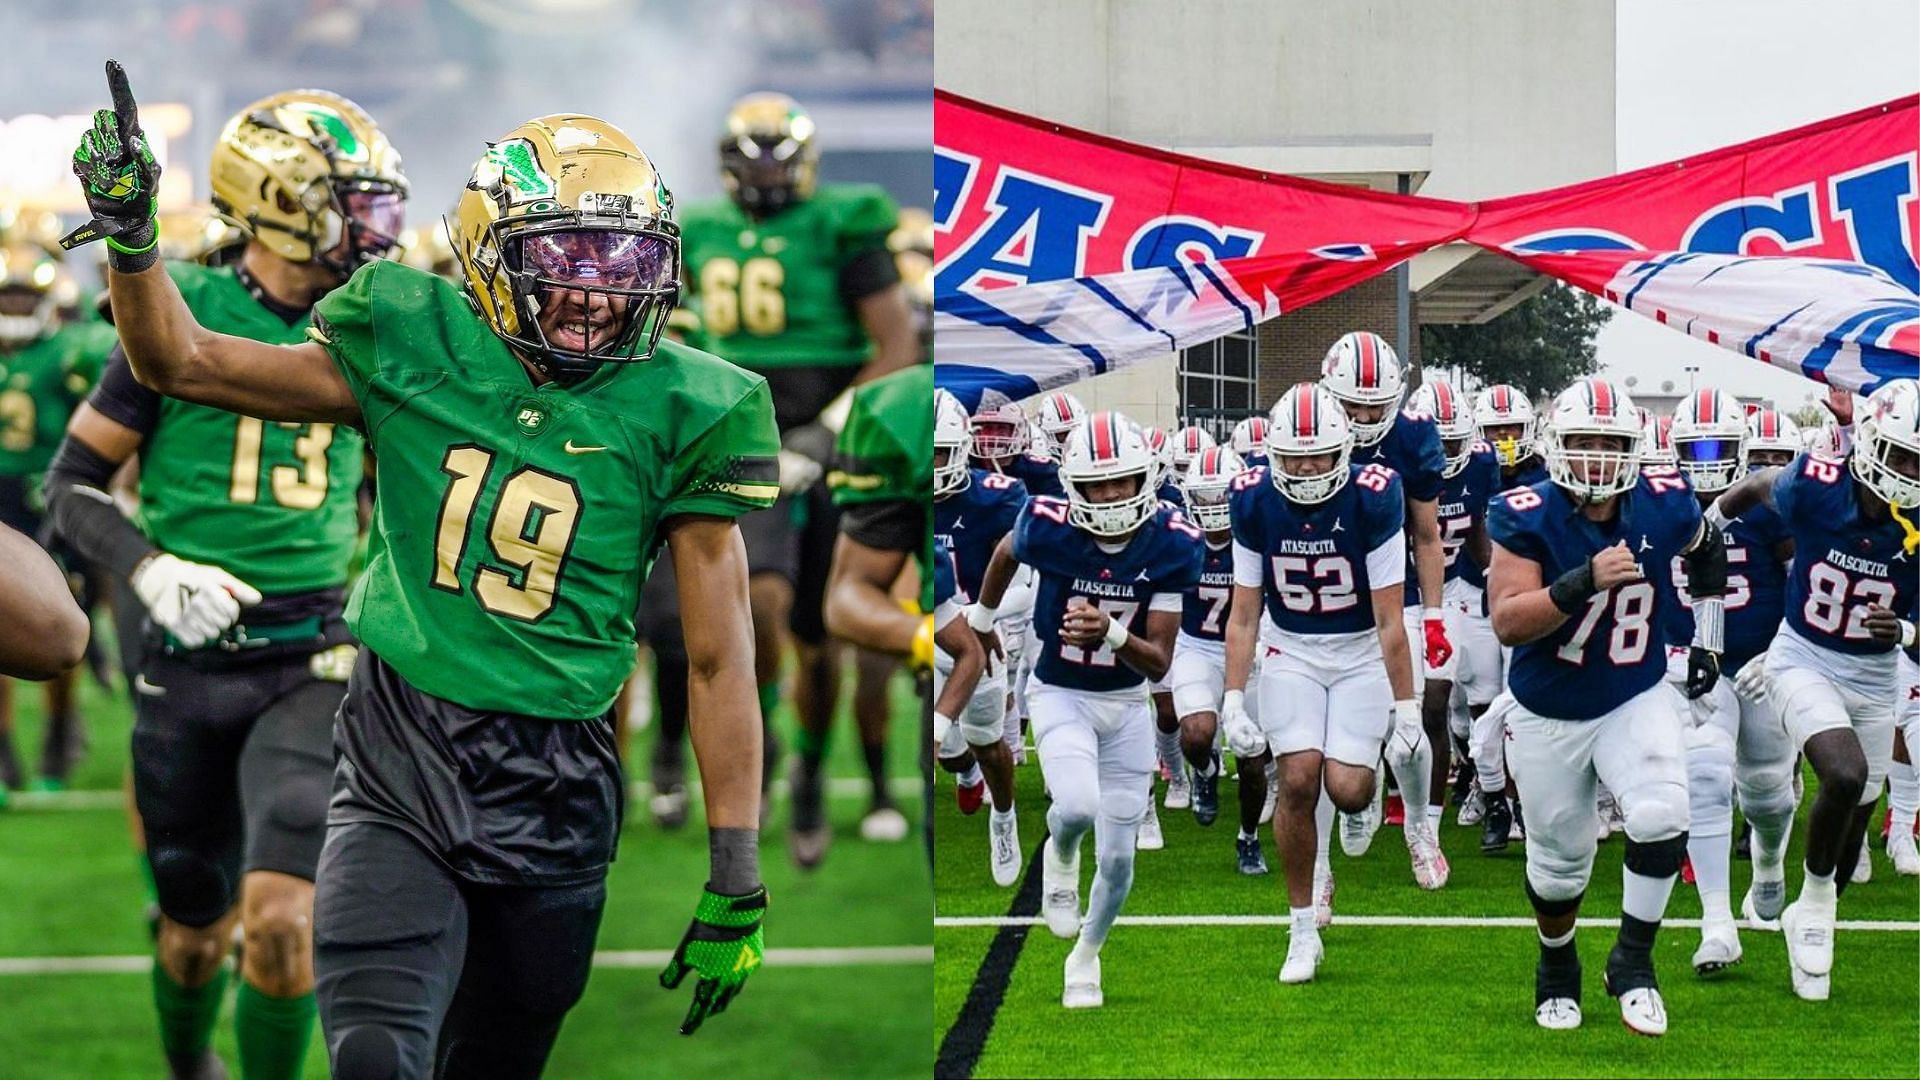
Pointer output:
724, 945
119, 175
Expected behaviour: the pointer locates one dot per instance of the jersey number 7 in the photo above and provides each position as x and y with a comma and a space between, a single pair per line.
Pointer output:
534, 518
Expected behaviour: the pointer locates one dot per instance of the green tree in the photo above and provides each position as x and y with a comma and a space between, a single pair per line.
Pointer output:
1541, 345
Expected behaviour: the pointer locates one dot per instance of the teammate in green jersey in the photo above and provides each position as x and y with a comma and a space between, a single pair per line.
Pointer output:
796, 282
232, 742
883, 479
535, 442
47, 364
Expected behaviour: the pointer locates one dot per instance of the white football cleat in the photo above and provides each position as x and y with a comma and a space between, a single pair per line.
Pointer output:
1763, 903
1273, 793
1322, 896
1719, 947
1082, 981
1904, 851
883, 826
1430, 868
1149, 837
1863, 867
1473, 810
1810, 987
1179, 789
1060, 891
1003, 848
1558, 1014
1809, 933
1303, 957
1356, 830
1643, 1012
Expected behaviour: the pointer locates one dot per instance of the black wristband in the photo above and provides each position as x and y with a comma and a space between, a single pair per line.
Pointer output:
146, 251
85, 516
1573, 588
734, 861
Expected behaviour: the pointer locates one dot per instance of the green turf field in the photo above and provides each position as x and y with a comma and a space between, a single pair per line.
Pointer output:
1391, 1000
853, 999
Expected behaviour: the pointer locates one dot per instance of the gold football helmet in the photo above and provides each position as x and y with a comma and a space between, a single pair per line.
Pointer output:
768, 159
304, 170
564, 218
34, 287
200, 234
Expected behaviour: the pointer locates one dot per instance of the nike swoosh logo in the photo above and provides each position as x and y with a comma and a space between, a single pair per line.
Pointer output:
572, 449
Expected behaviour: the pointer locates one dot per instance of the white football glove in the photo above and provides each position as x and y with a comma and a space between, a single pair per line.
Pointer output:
1752, 681
1243, 735
1404, 740
194, 602
942, 723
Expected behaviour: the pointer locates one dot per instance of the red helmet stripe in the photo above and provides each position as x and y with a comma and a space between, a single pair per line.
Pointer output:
1602, 397
1210, 461
1369, 363
1104, 439
1443, 402
1769, 425
1303, 411
1502, 399
1064, 406
1703, 407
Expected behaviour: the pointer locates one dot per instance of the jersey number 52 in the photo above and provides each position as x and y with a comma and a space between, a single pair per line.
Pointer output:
534, 518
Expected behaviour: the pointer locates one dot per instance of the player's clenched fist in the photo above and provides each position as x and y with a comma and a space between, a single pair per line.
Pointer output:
1614, 566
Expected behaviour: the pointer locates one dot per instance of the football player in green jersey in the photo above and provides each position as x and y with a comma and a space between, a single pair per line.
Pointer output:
883, 480
535, 442
796, 282
232, 743
47, 364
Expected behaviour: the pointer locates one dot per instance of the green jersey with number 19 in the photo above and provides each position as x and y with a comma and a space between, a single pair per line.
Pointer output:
275, 505
515, 523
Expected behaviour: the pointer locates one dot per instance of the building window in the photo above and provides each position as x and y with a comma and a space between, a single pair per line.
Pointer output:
1218, 381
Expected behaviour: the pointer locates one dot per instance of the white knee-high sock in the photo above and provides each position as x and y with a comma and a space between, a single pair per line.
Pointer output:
1112, 879
1168, 744
1903, 793
1645, 898
1416, 778
1323, 812
1712, 858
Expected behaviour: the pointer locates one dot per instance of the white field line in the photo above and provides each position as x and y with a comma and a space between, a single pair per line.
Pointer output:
1380, 920
840, 787
875, 956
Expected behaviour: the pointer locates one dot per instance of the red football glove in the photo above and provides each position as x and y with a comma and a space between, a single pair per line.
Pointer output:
1439, 649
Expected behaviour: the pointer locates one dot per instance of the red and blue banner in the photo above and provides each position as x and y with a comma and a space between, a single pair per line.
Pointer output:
1061, 254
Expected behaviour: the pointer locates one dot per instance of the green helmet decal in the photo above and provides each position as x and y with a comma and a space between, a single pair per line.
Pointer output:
326, 121
512, 164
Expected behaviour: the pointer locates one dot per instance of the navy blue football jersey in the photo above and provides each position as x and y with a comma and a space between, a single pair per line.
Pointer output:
1314, 558
943, 586
1411, 447
1037, 471
1756, 594
973, 520
1531, 470
1170, 493
1255, 460
1204, 614
1841, 561
1162, 556
1613, 648
1463, 502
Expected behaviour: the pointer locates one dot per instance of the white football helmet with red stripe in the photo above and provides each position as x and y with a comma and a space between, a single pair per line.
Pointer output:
1188, 443
1205, 484
1826, 442
1108, 446
1249, 436
1771, 429
1886, 452
1362, 369
950, 437
1437, 398
1307, 421
1710, 439
999, 431
1593, 406
1505, 407
1656, 442
1161, 448
1060, 413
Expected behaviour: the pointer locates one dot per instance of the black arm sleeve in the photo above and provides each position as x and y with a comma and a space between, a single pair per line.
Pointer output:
887, 526
867, 273
120, 398
85, 516
1706, 562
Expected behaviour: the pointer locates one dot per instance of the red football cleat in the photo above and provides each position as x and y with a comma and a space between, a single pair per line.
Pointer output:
970, 796
1396, 811
1686, 869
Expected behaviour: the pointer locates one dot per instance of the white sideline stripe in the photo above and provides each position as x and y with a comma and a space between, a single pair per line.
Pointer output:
875, 956
840, 787
1381, 920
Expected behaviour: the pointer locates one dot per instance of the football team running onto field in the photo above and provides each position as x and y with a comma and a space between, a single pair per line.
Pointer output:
1542, 607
